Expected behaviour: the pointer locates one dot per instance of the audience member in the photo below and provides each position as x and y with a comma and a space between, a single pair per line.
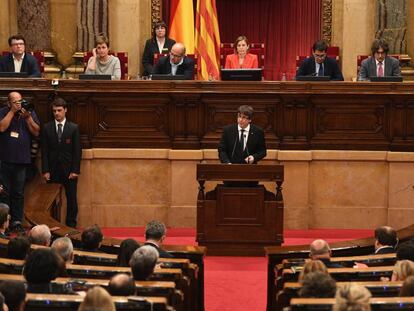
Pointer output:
121, 285
2, 304
158, 44
317, 285
126, 249
241, 57
17, 127
101, 62
18, 60
402, 270
97, 299
385, 240
40, 235
407, 289
319, 64
18, 247
319, 249
406, 250
92, 238
177, 63
4, 220
352, 297
14, 293
63, 246
312, 266
379, 64
155, 234
143, 262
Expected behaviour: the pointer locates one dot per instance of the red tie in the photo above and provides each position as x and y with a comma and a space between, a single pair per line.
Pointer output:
380, 70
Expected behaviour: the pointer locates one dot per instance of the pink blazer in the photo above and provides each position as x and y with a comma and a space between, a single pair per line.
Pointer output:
250, 61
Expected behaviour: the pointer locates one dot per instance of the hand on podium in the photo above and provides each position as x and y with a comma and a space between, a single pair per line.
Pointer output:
249, 159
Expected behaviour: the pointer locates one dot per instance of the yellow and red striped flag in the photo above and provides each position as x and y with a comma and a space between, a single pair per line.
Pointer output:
182, 23
207, 40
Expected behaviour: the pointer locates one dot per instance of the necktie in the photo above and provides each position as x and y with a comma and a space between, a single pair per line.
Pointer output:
380, 70
242, 140
59, 132
320, 71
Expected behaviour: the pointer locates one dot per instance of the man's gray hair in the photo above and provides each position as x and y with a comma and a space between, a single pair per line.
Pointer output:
64, 247
143, 261
155, 230
40, 235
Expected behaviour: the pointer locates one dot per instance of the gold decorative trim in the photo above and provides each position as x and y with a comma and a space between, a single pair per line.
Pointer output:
156, 11
327, 20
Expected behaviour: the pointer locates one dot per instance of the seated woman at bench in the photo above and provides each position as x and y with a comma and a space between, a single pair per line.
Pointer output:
97, 299
241, 57
352, 297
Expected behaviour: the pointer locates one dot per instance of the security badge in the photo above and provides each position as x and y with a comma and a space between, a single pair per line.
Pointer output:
14, 134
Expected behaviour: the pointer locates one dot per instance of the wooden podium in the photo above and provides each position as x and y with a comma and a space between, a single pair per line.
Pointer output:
239, 221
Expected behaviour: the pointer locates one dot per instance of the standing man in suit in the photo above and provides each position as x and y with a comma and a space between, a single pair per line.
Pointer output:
319, 64
242, 143
176, 64
379, 64
61, 156
19, 61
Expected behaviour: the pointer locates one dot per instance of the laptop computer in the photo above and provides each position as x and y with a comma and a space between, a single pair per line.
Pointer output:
94, 77
4, 74
241, 74
159, 76
313, 78
386, 79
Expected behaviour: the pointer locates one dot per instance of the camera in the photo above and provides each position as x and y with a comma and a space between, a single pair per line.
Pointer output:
26, 105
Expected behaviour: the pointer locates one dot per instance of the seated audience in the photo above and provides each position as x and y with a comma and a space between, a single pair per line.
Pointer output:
18, 247
402, 270
126, 249
177, 63
101, 63
407, 289
4, 220
14, 293
319, 64
155, 234
319, 249
40, 235
97, 299
19, 61
158, 44
143, 262
385, 240
121, 285
312, 266
406, 250
41, 267
379, 64
64, 248
317, 285
3, 306
352, 297
241, 57
91, 238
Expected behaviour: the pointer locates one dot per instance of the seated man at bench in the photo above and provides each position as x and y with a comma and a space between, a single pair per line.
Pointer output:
155, 234
4, 220
319, 249
385, 240
121, 284
143, 262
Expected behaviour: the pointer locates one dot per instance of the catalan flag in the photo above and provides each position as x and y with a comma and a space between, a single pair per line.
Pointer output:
182, 23
207, 40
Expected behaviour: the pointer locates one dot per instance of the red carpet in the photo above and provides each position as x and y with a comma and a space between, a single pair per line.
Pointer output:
238, 283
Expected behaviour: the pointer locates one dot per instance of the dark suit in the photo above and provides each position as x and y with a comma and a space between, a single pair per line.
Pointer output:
62, 158
369, 68
151, 48
163, 66
229, 150
385, 250
29, 65
161, 252
330, 68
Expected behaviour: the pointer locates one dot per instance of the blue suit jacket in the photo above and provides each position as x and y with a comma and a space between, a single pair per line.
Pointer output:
29, 65
331, 68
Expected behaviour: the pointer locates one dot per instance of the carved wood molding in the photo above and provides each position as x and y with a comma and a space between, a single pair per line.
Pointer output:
156, 7
327, 20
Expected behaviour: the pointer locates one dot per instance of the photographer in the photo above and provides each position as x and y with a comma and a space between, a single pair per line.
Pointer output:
17, 126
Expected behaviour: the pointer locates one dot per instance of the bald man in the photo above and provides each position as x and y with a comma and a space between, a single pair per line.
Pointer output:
40, 235
121, 284
320, 250
177, 63
386, 240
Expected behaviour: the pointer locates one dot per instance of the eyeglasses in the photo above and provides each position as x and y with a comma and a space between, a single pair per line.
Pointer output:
17, 43
319, 55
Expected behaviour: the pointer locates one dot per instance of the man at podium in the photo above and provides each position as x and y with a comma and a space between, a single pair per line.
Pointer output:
242, 143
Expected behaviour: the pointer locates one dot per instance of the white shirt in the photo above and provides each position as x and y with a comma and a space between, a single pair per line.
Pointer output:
174, 67
160, 45
18, 63
383, 67
317, 65
245, 133
63, 124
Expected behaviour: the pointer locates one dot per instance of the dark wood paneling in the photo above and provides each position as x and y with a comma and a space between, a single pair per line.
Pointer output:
192, 114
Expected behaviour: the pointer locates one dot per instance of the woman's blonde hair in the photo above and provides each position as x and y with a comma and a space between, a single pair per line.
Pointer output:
312, 266
97, 298
402, 270
352, 297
